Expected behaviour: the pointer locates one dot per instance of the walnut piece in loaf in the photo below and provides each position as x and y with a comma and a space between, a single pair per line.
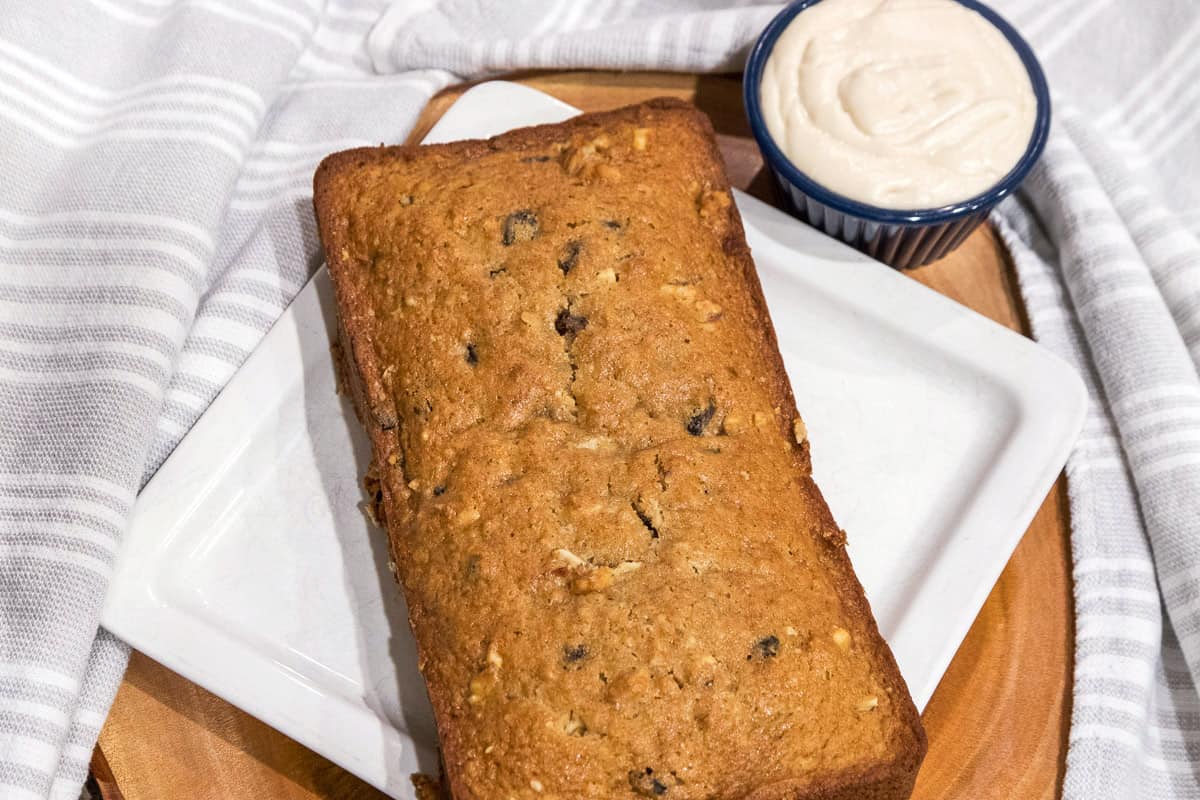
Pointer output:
621, 577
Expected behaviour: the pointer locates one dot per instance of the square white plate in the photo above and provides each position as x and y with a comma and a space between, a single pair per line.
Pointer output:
250, 569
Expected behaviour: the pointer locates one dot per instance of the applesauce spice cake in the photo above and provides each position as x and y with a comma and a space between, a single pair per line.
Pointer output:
621, 577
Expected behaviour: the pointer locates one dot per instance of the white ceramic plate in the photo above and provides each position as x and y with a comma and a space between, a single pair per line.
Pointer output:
250, 569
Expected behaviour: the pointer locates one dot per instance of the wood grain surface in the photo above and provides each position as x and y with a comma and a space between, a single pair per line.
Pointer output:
997, 724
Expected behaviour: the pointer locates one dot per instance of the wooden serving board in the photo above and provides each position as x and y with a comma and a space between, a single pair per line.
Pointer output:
997, 724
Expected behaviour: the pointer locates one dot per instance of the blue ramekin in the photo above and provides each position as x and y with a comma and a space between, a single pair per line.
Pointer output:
899, 237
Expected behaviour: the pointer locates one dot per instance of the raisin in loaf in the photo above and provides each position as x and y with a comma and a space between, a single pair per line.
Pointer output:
621, 577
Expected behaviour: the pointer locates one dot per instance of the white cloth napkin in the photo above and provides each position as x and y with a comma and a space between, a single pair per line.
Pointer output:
155, 220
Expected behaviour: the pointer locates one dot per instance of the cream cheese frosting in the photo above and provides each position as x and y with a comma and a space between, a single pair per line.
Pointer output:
900, 104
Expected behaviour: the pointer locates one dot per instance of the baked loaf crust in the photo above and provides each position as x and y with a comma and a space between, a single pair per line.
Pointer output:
621, 577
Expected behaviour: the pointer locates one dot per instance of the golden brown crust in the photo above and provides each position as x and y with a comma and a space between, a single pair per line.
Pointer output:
377, 253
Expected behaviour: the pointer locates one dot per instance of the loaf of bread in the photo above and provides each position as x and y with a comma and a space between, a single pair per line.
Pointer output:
621, 577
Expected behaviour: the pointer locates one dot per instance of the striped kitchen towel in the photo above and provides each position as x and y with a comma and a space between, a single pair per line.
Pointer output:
155, 221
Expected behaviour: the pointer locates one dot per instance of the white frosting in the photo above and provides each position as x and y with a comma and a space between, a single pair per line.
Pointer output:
903, 104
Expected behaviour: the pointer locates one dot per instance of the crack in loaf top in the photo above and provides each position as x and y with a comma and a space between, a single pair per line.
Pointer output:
621, 578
